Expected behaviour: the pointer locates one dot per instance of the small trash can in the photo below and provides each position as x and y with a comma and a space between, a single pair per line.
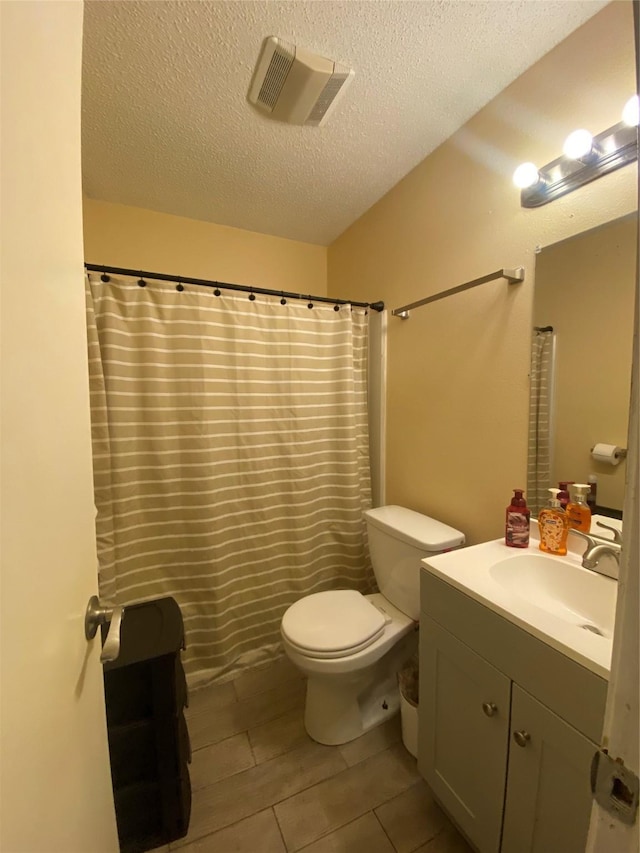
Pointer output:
408, 684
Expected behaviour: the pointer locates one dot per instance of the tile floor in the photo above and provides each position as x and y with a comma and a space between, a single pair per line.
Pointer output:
261, 785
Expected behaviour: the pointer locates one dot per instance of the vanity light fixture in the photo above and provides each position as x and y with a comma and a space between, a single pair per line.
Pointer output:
578, 145
631, 112
526, 175
585, 158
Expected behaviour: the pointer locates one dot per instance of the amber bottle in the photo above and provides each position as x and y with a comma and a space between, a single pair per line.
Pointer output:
578, 511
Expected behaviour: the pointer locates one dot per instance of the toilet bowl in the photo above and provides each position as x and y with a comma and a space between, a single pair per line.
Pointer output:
350, 646
355, 690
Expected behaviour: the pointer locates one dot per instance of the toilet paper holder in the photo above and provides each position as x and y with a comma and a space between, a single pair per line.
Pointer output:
613, 453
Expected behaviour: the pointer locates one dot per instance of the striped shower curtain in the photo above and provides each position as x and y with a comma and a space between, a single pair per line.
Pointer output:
231, 458
540, 419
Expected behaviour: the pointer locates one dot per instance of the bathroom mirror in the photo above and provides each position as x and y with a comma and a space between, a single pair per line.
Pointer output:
581, 361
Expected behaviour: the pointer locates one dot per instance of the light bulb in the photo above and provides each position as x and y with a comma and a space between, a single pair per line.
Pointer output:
526, 175
578, 144
631, 112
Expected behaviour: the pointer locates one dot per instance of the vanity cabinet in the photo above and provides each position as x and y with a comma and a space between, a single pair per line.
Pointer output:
548, 800
466, 714
508, 727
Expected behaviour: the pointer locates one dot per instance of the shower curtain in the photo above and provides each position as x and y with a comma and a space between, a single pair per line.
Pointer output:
540, 419
231, 458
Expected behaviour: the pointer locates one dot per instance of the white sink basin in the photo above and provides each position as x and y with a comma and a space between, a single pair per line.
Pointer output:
566, 606
578, 596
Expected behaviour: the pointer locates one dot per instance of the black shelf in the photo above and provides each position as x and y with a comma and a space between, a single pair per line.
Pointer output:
146, 693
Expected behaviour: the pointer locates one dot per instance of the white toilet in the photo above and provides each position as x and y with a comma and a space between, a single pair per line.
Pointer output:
350, 646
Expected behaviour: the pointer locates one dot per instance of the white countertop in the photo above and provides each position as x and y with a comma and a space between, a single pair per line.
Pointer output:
469, 570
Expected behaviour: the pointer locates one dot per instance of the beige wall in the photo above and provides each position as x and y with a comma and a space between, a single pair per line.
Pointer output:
585, 289
122, 236
458, 369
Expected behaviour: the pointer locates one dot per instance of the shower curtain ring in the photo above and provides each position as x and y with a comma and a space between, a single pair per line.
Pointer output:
141, 281
180, 286
336, 307
283, 301
104, 277
310, 305
216, 292
252, 296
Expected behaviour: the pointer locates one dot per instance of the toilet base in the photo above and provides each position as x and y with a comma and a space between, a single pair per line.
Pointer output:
340, 708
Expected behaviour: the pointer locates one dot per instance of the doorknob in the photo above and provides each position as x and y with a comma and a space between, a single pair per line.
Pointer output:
96, 615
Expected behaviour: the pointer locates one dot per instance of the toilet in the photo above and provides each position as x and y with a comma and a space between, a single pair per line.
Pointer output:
350, 646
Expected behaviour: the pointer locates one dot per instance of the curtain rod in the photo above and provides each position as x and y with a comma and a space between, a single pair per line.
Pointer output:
512, 276
181, 280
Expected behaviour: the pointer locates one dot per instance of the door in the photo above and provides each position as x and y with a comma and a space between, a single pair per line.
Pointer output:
549, 800
463, 733
56, 786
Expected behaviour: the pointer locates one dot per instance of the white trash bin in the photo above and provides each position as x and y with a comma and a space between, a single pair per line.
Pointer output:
409, 721
408, 685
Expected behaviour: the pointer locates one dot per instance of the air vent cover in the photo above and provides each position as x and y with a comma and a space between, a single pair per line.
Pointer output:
296, 86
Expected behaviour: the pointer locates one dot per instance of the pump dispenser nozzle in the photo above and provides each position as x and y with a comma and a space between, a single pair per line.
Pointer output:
579, 491
554, 500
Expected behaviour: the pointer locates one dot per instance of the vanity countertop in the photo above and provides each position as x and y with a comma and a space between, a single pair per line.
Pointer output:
550, 597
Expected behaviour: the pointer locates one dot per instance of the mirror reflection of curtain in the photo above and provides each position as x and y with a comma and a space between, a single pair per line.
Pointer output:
231, 458
540, 419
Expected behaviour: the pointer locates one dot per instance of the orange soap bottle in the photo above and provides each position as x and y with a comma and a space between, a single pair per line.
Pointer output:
554, 526
578, 511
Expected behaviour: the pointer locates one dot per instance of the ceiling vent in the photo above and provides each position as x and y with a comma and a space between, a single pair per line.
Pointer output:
296, 86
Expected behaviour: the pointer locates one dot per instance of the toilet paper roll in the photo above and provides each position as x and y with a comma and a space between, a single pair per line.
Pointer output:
609, 454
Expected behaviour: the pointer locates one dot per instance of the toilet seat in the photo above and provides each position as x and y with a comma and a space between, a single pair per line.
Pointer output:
332, 624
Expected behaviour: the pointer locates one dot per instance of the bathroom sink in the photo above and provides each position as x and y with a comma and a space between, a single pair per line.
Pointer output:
578, 596
553, 598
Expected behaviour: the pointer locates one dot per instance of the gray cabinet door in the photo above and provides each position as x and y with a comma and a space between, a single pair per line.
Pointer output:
548, 791
463, 733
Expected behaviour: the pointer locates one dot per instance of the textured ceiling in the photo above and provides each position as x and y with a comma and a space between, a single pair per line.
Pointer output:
167, 126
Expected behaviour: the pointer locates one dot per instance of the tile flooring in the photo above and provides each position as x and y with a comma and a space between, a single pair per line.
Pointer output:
261, 785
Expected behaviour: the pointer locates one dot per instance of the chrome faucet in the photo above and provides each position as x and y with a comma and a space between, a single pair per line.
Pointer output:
596, 550
617, 536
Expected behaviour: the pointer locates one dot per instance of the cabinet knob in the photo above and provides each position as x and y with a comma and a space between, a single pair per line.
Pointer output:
522, 738
489, 708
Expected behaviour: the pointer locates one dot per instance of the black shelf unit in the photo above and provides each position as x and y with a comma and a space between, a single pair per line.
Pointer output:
146, 693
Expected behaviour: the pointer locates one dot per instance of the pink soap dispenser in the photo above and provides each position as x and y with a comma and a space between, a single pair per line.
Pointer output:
517, 521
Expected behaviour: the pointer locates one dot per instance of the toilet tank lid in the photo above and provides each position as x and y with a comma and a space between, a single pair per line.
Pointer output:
414, 528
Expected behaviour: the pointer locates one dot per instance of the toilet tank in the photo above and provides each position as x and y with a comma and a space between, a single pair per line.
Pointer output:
398, 539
